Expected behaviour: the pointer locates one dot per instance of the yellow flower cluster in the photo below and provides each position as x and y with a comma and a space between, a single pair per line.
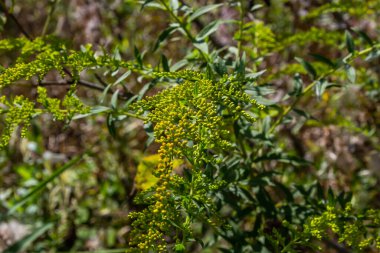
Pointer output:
19, 113
349, 230
190, 122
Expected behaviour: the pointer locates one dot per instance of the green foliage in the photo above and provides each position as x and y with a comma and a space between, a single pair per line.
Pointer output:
232, 159
352, 229
189, 124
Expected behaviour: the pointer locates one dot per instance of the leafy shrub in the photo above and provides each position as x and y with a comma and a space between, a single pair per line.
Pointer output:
228, 161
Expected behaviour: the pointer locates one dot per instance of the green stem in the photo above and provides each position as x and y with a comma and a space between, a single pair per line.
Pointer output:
48, 19
183, 26
241, 26
133, 115
349, 59
290, 244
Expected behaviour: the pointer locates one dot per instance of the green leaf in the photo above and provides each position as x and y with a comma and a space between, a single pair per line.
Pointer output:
111, 125
255, 75
202, 46
365, 37
43, 184
25, 242
146, 2
94, 110
302, 113
174, 4
209, 29
219, 66
331, 197
308, 67
321, 86
266, 125
240, 66
203, 10
178, 65
298, 86
256, 7
351, 73
375, 53
122, 77
164, 35
114, 99
349, 42
324, 60
138, 56
165, 63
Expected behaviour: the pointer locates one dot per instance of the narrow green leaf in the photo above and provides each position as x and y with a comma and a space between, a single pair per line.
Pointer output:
302, 113
365, 37
240, 66
324, 60
178, 65
351, 73
25, 242
308, 67
321, 86
209, 29
44, 183
111, 125
256, 7
114, 99
138, 56
266, 125
202, 46
165, 63
164, 35
94, 110
331, 197
297, 86
375, 53
146, 2
255, 75
122, 77
203, 10
174, 4
105, 92
349, 42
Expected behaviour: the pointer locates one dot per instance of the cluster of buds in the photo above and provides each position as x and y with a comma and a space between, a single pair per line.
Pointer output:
189, 121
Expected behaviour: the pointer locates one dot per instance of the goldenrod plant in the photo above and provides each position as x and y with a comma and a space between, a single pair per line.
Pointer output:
193, 126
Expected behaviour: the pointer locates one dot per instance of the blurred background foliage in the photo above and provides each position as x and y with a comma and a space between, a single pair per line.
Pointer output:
330, 140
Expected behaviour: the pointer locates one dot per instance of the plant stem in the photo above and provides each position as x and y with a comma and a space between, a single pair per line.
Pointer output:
241, 26
183, 26
133, 115
48, 19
